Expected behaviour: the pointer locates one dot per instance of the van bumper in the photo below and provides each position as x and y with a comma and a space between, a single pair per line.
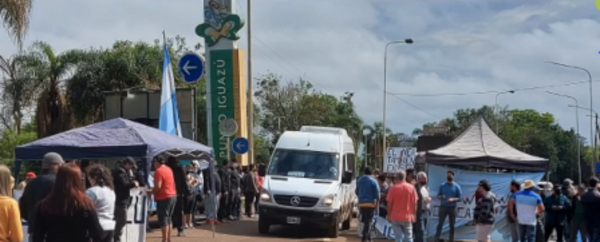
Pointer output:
278, 215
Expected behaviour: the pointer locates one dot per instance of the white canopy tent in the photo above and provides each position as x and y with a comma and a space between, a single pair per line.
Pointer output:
479, 145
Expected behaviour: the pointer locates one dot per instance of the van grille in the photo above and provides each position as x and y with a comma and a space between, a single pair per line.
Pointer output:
305, 202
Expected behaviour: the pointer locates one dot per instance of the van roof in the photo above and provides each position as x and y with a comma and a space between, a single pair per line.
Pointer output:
315, 141
324, 130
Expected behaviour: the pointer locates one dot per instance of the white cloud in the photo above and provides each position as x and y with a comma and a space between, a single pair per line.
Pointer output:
460, 46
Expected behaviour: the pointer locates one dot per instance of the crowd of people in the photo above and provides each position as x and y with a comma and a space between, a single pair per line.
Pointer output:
533, 214
85, 201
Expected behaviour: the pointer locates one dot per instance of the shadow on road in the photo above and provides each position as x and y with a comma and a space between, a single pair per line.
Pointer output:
250, 228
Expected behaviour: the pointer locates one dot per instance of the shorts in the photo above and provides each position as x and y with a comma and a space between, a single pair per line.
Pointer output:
483, 232
164, 210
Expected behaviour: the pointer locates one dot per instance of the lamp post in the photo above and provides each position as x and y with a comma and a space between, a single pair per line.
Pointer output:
406, 41
496, 106
577, 129
591, 104
592, 137
366, 133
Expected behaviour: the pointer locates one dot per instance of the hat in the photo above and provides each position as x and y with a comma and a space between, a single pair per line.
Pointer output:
30, 174
129, 160
52, 158
528, 184
195, 162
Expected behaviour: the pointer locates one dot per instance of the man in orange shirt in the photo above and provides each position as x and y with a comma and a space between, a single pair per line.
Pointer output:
164, 195
402, 208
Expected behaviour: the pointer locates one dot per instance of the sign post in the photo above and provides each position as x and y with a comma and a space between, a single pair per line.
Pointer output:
228, 128
241, 145
191, 66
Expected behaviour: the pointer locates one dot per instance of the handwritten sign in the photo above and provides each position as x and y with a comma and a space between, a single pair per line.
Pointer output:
399, 158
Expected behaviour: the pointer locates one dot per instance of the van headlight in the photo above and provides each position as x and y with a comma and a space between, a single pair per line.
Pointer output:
327, 201
265, 196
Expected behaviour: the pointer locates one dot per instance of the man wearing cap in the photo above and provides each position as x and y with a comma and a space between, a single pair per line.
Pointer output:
528, 205
123, 183
28, 178
39, 187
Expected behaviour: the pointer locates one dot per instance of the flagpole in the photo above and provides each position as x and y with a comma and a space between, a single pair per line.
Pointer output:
164, 38
250, 106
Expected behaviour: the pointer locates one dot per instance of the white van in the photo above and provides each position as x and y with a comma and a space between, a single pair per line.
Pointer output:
310, 180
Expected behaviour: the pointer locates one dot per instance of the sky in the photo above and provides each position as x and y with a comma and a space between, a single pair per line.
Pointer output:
471, 49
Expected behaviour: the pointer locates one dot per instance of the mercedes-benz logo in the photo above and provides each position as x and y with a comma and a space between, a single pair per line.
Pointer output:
295, 201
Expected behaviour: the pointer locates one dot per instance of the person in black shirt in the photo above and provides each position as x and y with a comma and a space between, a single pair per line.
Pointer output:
183, 194
211, 206
39, 188
67, 214
236, 189
224, 212
123, 184
591, 206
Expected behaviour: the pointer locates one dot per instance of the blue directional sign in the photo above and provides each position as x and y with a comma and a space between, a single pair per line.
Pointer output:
240, 145
191, 66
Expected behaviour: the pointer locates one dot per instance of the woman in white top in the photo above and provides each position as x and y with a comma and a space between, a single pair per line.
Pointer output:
102, 194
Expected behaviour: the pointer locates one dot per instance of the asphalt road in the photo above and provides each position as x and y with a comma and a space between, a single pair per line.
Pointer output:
246, 230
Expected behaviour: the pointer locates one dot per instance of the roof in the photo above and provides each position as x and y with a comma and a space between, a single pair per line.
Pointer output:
479, 145
321, 142
113, 138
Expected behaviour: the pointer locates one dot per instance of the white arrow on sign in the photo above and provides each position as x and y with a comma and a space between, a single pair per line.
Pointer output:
187, 67
240, 145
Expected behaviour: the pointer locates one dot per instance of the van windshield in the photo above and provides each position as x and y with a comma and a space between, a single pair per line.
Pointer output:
304, 164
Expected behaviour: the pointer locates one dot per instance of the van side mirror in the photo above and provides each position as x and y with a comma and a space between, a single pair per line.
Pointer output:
262, 170
347, 177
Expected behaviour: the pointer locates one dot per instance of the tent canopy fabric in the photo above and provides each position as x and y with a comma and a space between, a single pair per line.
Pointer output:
480, 146
113, 138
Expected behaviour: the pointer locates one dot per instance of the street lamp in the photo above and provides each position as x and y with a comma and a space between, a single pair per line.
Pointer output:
406, 41
497, 109
592, 138
591, 103
366, 132
577, 127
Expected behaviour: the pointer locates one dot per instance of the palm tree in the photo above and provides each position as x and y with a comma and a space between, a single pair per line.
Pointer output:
17, 87
50, 70
15, 16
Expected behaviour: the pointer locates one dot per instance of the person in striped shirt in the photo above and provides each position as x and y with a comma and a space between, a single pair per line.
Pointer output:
528, 205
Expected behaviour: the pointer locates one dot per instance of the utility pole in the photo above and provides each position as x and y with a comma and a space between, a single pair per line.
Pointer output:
250, 103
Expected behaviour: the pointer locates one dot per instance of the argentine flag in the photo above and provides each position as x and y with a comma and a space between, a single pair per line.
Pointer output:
169, 115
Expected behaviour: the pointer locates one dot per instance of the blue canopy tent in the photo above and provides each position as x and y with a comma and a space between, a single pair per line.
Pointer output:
115, 138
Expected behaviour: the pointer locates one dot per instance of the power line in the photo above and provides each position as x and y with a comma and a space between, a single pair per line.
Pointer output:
417, 108
488, 92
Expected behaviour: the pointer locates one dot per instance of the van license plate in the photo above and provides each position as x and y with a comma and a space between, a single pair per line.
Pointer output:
293, 220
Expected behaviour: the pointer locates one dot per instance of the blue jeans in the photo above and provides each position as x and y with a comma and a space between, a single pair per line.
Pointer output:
210, 207
419, 231
527, 233
402, 231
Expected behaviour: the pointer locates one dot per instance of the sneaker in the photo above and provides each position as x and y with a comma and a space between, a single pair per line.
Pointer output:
181, 234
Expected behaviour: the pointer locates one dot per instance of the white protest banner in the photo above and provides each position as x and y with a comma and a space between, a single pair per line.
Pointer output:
399, 158
469, 181
137, 213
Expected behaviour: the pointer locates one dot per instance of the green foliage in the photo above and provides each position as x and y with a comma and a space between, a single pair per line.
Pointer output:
295, 104
9, 141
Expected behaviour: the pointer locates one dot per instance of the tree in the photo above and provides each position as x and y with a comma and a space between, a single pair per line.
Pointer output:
17, 87
50, 71
295, 104
15, 17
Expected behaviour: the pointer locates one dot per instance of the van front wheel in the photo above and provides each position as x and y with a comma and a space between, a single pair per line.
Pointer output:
346, 223
264, 226
334, 231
